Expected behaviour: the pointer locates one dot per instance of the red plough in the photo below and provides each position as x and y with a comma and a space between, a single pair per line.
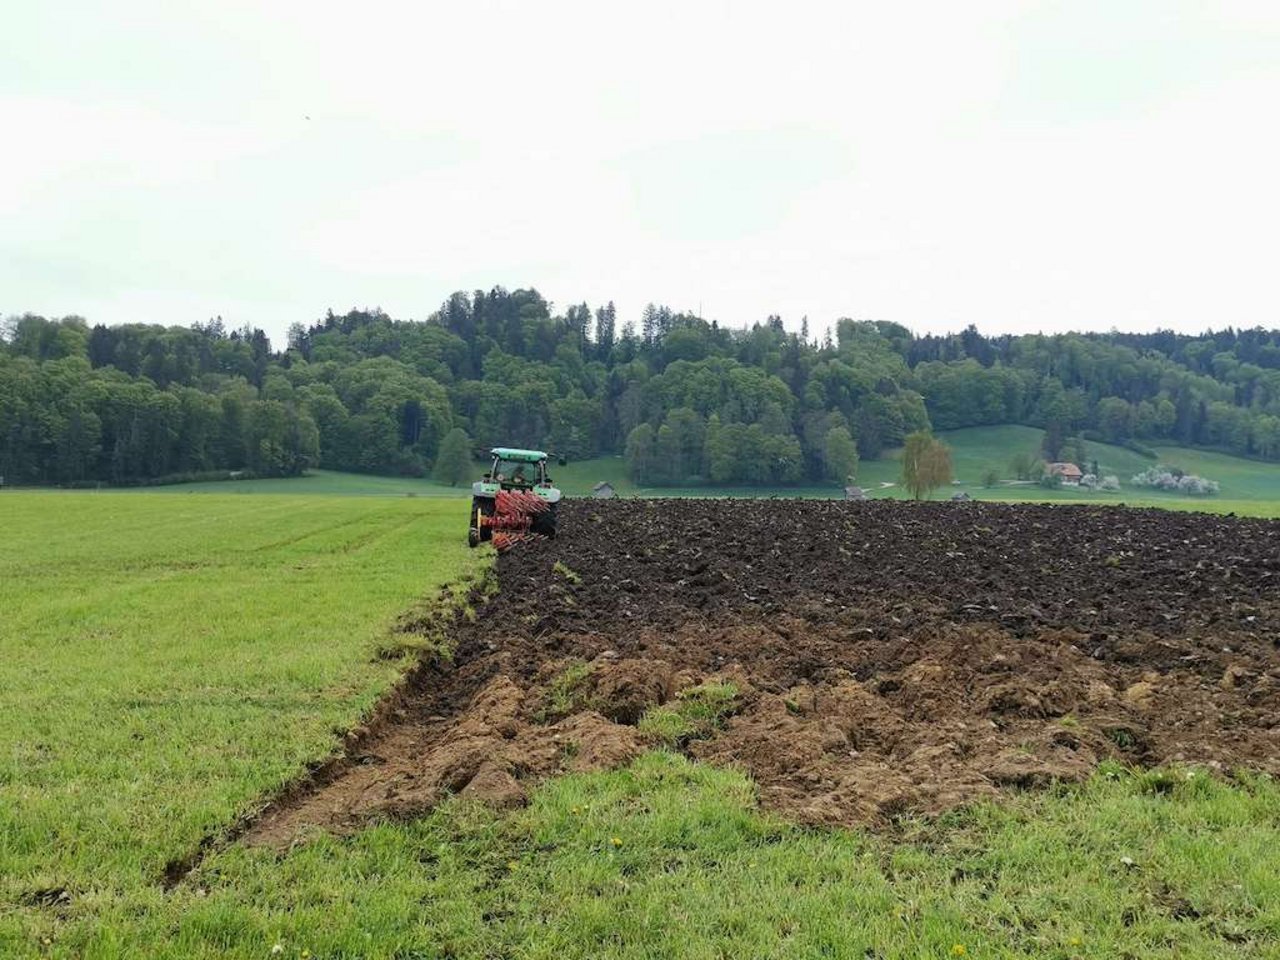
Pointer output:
514, 518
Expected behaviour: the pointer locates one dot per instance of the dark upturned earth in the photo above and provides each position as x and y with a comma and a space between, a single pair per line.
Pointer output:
890, 658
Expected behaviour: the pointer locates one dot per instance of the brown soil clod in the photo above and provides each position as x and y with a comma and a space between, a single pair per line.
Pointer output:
889, 657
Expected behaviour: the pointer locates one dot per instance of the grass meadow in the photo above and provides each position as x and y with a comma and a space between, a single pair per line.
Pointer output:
167, 662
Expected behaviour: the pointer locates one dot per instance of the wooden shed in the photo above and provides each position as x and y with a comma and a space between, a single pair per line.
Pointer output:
1069, 473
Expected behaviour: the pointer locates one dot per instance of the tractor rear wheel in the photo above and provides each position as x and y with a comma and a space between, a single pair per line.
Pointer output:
545, 523
478, 533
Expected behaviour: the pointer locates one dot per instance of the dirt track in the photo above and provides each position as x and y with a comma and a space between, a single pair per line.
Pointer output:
889, 657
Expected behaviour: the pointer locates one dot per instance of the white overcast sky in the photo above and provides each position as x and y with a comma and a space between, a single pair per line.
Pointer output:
1021, 166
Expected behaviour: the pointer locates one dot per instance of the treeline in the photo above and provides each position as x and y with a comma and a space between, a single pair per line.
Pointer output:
64, 420
682, 398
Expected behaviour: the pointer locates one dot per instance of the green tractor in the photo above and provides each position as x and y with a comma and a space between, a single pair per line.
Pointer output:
514, 501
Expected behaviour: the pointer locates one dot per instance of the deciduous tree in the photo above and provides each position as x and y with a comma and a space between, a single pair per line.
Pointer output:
926, 464
453, 463
840, 454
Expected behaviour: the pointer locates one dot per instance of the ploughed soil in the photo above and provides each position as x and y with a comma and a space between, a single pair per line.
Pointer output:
888, 657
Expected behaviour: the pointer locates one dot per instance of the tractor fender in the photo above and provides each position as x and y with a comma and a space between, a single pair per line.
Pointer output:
482, 489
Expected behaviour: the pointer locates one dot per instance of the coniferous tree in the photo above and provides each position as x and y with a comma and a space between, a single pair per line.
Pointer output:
606, 322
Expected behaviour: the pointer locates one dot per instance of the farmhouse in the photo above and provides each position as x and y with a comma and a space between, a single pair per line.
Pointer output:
1069, 473
602, 490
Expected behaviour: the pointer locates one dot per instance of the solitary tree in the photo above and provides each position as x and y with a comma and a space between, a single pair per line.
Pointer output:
926, 464
453, 464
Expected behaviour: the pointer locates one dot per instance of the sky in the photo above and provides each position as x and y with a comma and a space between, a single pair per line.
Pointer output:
1019, 166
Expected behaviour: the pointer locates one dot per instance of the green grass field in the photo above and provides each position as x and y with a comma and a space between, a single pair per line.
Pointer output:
167, 662
321, 483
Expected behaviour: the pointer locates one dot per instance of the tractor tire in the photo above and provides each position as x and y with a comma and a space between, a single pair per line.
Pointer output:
477, 534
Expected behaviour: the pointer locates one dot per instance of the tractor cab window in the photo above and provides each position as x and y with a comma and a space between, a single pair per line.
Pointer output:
515, 471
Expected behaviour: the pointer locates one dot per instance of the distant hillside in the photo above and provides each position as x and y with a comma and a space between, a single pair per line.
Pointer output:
976, 451
683, 400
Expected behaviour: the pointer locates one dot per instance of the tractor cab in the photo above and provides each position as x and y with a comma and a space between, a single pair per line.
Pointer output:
517, 469
515, 500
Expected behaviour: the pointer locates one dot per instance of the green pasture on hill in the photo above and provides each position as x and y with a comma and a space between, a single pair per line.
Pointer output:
167, 662
975, 451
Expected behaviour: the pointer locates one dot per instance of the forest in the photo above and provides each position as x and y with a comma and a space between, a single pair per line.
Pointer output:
684, 399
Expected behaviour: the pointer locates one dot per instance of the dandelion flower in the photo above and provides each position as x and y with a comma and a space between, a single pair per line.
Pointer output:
958, 950
277, 949
616, 841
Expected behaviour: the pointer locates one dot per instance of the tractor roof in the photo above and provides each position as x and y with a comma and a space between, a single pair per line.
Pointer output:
524, 456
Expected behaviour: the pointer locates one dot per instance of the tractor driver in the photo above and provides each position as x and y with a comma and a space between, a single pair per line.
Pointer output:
517, 475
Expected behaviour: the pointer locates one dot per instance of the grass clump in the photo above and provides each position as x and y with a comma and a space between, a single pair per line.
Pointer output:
1122, 737
425, 629
566, 693
695, 713
564, 570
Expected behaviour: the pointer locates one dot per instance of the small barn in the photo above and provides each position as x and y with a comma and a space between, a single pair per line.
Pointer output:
1069, 473
854, 493
602, 490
